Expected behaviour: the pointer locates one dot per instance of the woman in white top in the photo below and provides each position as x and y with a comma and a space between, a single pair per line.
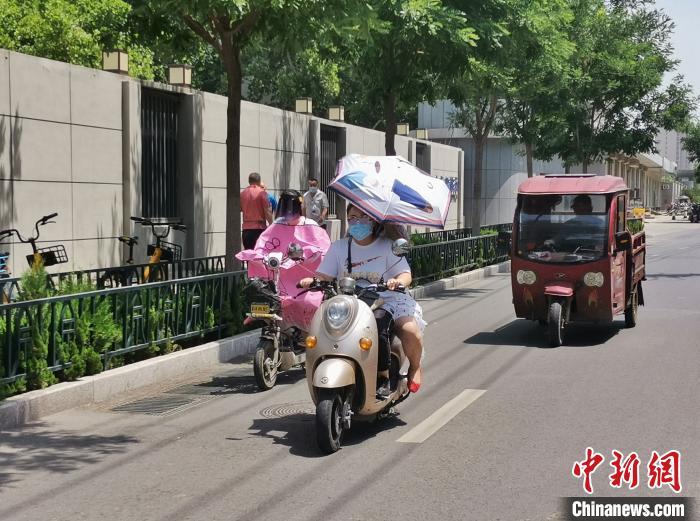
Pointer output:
371, 259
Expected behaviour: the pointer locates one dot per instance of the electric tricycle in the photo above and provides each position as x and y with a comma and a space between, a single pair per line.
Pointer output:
574, 256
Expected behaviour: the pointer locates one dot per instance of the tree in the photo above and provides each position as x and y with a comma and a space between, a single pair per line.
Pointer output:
616, 103
691, 144
409, 53
479, 93
479, 101
73, 31
540, 67
229, 27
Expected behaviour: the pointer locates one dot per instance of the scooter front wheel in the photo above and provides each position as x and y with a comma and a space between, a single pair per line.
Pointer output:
265, 366
330, 422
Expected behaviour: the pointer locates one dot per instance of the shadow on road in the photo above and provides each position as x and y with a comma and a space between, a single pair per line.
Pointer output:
525, 333
672, 275
298, 432
244, 383
462, 293
32, 448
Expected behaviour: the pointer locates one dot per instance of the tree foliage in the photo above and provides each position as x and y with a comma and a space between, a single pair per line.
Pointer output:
616, 103
73, 31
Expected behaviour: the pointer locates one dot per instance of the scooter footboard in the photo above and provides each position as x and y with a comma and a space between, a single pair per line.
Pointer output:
333, 373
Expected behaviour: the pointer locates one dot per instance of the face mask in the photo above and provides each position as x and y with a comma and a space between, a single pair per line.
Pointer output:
360, 231
313, 189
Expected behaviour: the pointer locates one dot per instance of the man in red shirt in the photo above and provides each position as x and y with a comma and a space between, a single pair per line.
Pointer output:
257, 213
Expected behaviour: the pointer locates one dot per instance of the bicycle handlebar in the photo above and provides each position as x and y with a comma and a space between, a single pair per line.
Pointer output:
47, 218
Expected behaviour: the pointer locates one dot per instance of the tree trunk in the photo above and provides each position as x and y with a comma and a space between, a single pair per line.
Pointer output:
528, 157
476, 192
232, 62
585, 166
390, 119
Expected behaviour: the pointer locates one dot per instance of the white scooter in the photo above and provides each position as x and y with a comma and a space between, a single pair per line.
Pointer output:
342, 355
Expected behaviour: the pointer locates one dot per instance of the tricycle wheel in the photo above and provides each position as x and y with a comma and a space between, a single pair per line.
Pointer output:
556, 323
631, 310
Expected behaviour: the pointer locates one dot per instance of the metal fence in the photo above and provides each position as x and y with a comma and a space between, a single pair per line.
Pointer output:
139, 316
186, 306
442, 259
129, 274
452, 235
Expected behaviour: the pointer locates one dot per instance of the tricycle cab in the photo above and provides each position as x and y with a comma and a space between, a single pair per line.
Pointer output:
573, 256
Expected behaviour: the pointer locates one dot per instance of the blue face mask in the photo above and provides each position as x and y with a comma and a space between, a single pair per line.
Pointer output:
360, 231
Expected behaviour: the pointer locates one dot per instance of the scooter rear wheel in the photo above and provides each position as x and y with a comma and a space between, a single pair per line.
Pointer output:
329, 421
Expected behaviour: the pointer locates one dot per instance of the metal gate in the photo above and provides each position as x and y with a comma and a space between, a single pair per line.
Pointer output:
330, 153
159, 121
423, 157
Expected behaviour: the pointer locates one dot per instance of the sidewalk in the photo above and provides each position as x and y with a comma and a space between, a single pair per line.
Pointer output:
172, 369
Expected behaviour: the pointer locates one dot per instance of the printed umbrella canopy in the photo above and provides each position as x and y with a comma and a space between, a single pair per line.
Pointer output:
390, 189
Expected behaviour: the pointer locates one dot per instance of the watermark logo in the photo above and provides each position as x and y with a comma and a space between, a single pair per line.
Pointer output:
662, 469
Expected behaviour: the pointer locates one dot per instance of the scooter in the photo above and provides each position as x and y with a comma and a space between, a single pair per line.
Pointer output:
342, 357
278, 349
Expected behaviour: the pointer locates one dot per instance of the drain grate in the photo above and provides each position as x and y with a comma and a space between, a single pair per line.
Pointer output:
198, 389
288, 409
159, 405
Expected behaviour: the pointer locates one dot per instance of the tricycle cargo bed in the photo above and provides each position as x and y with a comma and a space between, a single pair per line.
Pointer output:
639, 251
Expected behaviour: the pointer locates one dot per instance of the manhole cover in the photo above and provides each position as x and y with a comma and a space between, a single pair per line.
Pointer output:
288, 409
198, 389
159, 405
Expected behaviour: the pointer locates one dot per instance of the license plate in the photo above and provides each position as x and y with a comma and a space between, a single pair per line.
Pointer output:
260, 309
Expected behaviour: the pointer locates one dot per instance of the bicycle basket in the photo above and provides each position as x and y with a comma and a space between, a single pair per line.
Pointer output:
51, 255
171, 252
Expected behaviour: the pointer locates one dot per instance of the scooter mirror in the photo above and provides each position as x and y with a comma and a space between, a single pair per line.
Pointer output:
400, 247
295, 251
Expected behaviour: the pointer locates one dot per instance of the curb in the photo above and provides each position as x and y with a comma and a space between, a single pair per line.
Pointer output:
31, 406
459, 280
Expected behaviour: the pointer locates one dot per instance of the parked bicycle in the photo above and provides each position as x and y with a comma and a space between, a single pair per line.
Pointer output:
161, 251
126, 275
49, 255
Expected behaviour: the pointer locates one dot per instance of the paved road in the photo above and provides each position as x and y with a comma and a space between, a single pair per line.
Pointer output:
238, 454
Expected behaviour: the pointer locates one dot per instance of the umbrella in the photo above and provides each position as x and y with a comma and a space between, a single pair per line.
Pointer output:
390, 189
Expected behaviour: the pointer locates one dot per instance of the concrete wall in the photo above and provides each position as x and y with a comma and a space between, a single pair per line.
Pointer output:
70, 142
60, 151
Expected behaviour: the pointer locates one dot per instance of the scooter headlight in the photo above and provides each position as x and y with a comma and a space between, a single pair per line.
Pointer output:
594, 279
526, 277
339, 313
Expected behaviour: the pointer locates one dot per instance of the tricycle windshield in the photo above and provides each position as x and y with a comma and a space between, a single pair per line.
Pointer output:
567, 228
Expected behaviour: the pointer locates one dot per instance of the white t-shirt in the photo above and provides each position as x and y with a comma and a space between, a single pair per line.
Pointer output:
369, 262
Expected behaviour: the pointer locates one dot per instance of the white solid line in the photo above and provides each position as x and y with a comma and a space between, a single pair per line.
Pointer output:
444, 414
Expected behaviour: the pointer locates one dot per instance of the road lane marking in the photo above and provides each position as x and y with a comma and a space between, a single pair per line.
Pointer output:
439, 418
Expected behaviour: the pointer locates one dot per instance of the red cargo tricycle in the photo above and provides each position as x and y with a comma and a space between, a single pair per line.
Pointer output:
574, 256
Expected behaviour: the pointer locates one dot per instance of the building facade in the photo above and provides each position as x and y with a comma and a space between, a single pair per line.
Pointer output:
99, 148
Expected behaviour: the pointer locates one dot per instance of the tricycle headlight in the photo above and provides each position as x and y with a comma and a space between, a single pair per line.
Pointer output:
338, 313
526, 277
594, 279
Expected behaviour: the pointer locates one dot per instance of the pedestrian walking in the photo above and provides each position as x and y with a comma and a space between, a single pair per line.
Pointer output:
316, 203
257, 213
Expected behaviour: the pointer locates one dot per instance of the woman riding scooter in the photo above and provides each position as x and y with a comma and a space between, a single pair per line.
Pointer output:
366, 256
290, 248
